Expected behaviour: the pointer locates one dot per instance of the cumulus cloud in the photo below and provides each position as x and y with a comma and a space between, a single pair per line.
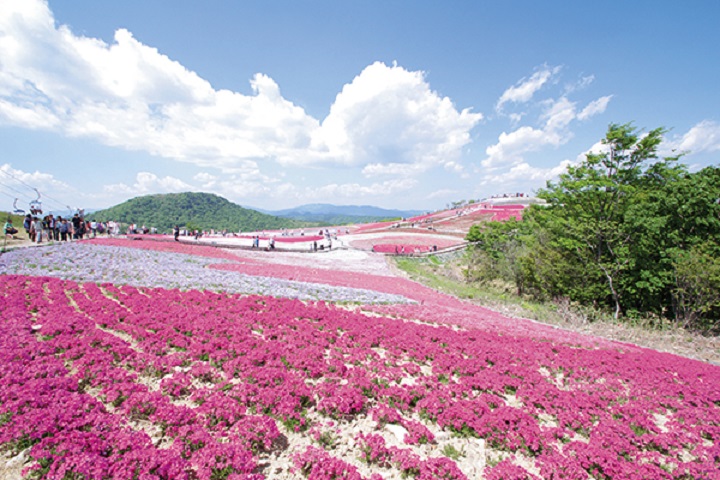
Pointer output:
146, 182
511, 147
443, 193
354, 190
454, 167
701, 138
15, 178
389, 115
129, 95
207, 180
54, 193
524, 90
392, 169
526, 173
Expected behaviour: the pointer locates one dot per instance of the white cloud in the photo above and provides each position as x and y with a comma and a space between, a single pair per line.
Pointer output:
595, 107
524, 90
130, 95
701, 138
207, 180
355, 190
524, 172
389, 115
454, 167
512, 146
20, 179
598, 148
553, 128
558, 115
54, 194
443, 193
394, 169
515, 118
146, 182
581, 84
556, 118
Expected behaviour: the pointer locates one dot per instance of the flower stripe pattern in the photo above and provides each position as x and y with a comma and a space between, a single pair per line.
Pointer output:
117, 381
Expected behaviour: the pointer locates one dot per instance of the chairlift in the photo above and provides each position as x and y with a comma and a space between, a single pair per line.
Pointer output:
36, 205
16, 210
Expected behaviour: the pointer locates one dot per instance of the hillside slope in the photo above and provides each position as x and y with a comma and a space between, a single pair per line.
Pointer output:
197, 210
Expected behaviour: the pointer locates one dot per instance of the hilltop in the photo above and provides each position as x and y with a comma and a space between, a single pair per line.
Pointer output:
196, 210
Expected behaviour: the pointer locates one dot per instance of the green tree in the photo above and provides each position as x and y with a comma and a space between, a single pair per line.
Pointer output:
590, 201
696, 296
678, 222
623, 229
497, 247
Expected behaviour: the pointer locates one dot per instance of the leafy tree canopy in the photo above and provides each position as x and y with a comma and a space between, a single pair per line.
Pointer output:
622, 229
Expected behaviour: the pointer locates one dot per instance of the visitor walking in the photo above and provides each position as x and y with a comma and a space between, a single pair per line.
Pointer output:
63, 230
38, 228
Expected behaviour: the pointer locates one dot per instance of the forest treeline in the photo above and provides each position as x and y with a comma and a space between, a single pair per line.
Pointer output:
624, 230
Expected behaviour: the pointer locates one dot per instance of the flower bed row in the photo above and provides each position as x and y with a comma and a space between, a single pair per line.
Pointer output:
146, 243
403, 248
433, 307
422, 241
157, 264
118, 381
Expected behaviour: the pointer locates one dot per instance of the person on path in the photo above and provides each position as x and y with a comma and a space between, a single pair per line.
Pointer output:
56, 228
27, 224
76, 223
176, 232
63, 229
38, 227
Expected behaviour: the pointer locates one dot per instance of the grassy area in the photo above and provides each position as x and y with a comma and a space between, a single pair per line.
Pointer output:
448, 277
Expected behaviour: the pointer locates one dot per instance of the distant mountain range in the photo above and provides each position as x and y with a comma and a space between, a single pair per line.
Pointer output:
341, 214
208, 211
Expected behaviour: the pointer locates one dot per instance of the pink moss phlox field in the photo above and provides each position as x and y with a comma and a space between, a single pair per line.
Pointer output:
421, 240
105, 381
433, 307
297, 239
172, 247
375, 451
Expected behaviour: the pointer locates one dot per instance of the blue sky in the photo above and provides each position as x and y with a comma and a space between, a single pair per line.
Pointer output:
398, 104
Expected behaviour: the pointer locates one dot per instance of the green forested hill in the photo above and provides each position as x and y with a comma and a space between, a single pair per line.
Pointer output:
193, 210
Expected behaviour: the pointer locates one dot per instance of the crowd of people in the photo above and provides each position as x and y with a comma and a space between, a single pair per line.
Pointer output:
61, 229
